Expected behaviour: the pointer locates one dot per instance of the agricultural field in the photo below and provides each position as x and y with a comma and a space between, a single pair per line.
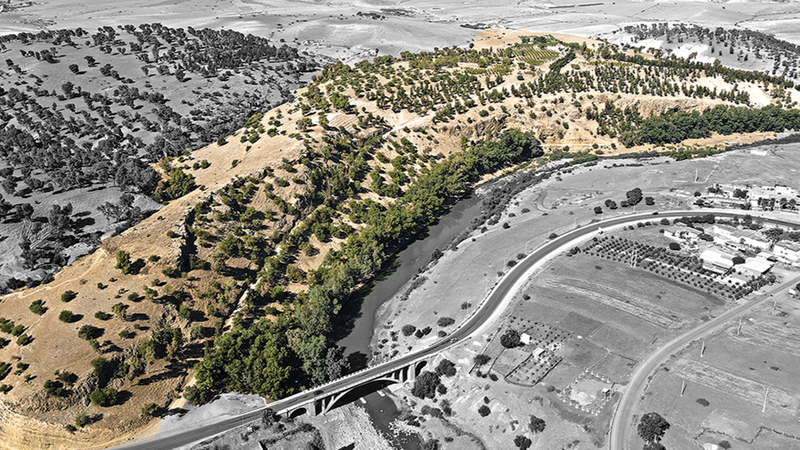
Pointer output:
742, 389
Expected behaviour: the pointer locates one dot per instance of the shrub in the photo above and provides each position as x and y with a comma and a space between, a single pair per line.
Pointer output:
68, 296
66, 316
100, 315
24, 340
522, 442
724, 444
37, 307
408, 330
484, 411
149, 409
702, 401
81, 420
54, 388
536, 425
481, 359
445, 322
185, 312
674, 246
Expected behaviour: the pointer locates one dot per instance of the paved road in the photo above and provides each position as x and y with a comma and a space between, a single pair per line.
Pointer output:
622, 425
490, 306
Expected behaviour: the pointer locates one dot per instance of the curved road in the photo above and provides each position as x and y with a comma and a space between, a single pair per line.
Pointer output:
491, 306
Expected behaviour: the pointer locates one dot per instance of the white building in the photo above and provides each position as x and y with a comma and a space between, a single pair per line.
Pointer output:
787, 251
754, 267
716, 261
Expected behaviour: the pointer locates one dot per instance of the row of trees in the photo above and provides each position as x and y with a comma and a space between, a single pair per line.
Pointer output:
672, 128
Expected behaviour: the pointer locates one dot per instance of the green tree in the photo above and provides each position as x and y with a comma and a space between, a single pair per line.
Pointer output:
481, 359
652, 427
123, 261
37, 307
522, 442
88, 332
66, 316
104, 397
510, 339
425, 385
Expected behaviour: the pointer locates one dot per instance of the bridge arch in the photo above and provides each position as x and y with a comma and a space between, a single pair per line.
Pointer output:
418, 367
297, 412
356, 393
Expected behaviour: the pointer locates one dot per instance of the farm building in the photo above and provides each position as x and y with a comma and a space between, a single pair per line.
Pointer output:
787, 251
688, 235
755, 267
716, 261
729, 238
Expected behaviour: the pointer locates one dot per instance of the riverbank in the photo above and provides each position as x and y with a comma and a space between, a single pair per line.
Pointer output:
448, 289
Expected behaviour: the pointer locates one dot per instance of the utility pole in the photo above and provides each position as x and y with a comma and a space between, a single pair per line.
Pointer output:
683, 386
703, 349
739, 328
764, 406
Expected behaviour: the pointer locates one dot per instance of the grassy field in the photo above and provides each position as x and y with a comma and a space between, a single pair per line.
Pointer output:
741, 390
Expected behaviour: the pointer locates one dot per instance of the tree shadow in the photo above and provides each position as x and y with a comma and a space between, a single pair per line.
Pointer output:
138, 316
76, 318
137, 266
110, 347
123, 396
84, 222
172, 371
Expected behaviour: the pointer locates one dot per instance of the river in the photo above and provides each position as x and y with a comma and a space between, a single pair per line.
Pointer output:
408, 262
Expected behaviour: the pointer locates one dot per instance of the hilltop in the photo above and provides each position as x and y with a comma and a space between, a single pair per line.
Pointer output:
85, 115
308, 202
